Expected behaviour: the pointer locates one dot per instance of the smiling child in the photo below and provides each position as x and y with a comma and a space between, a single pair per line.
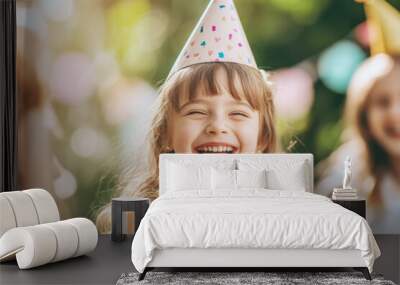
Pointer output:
230, 110
373, 116
372, 133
215, 100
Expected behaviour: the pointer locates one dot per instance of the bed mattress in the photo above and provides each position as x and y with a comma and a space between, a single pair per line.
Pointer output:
250, 219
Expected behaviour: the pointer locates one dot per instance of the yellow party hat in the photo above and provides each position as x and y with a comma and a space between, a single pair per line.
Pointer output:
384, 25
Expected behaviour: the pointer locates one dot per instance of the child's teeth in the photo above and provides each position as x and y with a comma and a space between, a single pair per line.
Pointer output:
216, 149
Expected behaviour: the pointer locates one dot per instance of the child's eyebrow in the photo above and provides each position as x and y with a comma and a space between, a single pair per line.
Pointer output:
199, 101
242, 103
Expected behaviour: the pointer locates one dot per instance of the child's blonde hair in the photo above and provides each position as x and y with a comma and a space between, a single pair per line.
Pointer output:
244, 83
366, 77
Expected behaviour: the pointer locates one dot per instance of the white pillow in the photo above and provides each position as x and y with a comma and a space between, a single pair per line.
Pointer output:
223, 179
293, 179
181, 177
280, 175
251, 178
228, 179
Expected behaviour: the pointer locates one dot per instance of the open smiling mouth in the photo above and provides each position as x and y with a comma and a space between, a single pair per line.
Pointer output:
216, 149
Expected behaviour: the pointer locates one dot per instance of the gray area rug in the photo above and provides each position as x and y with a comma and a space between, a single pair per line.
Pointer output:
226, 278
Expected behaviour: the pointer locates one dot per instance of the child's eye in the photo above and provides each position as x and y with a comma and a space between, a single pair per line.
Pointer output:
196, 112
240, 114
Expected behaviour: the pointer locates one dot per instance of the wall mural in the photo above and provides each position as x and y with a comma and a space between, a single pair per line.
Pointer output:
94, 114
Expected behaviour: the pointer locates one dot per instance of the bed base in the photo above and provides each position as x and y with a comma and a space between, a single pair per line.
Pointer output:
363, 270
250, 259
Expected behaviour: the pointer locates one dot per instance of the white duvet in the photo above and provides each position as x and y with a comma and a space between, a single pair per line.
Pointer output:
252, 218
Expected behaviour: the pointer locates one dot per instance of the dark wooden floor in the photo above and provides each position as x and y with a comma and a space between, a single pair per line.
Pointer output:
102, 266
111, 259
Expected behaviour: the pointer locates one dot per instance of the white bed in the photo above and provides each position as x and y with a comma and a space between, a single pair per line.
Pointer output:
280, 225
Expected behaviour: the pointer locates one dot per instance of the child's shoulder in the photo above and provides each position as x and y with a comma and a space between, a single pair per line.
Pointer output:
353, 148
334, 163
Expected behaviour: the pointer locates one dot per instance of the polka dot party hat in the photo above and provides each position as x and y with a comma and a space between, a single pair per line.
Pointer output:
218, 36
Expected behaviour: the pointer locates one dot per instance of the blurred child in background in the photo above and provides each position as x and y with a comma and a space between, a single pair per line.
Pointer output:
372, 134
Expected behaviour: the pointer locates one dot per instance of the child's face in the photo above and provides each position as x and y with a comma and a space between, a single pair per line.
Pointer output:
215, 124
383, 112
